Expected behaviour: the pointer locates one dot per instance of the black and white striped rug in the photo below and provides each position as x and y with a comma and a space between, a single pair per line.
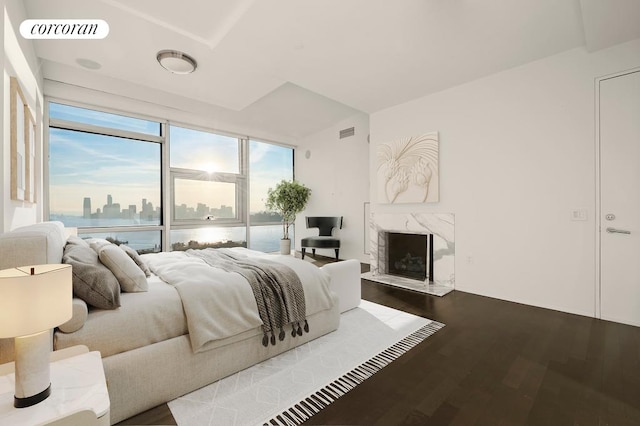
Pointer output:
291, 387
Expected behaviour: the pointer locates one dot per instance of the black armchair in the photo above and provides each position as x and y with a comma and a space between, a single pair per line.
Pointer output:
325, 240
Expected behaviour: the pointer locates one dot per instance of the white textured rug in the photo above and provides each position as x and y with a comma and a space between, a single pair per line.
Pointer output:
291, 387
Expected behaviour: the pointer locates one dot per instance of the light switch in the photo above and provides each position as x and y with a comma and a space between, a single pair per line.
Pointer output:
580, 214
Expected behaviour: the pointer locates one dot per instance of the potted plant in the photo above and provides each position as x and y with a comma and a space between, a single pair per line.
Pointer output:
288, 198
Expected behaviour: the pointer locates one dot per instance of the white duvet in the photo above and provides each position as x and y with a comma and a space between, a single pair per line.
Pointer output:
220, 304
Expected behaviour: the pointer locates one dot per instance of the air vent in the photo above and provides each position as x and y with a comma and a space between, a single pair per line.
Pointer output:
345, 133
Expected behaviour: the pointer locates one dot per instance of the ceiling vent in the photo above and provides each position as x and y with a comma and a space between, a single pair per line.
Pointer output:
345, 133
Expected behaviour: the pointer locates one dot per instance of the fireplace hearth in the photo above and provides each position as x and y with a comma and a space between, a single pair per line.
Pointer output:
415, 251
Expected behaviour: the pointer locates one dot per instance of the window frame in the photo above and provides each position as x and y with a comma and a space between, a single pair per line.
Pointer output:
240, 179
293, 174
167, 221
50, 123
188, 174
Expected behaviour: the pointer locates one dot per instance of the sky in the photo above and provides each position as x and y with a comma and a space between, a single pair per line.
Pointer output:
90, 165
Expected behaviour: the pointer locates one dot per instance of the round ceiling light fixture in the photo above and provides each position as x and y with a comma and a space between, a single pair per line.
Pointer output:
176, 62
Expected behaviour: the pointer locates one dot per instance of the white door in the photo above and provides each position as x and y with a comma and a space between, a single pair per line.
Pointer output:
620, 199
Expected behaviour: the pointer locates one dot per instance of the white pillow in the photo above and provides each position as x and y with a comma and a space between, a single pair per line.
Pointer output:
136, 258
129, 275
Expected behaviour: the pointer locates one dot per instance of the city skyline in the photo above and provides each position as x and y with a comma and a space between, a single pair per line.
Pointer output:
112, 210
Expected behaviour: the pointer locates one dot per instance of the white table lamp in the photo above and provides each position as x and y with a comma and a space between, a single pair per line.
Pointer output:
33, 300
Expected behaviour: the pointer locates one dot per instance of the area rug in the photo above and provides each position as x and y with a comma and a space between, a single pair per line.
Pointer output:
293, 386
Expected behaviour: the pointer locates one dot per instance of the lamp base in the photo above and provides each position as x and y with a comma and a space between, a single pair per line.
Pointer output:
33, 383
32, 400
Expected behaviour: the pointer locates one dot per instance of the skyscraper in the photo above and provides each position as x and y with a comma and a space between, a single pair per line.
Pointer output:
86, 208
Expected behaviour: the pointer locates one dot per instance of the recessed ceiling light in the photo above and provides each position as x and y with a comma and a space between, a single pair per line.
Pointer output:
176, 62
88, 63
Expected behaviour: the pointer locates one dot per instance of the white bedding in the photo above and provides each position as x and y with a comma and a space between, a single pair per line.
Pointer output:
142, 319
221, 304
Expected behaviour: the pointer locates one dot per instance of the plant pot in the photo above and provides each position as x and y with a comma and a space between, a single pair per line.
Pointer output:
285, 246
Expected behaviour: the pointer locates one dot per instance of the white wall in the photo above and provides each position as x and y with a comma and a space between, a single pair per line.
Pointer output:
19, 60
337, 172
4, 95
517, 156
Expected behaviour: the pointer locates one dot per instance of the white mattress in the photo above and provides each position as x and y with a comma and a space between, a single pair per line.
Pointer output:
142, 319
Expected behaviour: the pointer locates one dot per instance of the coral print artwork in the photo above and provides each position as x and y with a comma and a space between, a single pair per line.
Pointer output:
408, 170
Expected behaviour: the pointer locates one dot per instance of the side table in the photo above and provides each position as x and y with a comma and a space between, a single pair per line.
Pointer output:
79, 393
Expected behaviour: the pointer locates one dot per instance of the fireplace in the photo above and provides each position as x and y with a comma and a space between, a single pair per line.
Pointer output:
409, 255
413, 250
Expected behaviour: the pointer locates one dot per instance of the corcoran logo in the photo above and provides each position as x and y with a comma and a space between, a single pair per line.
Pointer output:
64, 28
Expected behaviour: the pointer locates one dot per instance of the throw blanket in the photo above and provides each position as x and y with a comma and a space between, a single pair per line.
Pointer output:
220, 306
276, 287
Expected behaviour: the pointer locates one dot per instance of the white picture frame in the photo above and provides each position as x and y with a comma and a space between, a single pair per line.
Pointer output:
23, 147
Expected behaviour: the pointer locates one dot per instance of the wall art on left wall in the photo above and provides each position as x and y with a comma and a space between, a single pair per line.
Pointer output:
408, 170
22, 146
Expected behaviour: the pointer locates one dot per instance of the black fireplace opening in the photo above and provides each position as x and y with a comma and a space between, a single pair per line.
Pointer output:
410, 255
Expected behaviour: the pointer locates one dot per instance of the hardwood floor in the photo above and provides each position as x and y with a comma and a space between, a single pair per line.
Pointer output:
494, 363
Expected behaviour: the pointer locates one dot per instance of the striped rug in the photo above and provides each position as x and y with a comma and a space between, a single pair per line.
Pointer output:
290, 388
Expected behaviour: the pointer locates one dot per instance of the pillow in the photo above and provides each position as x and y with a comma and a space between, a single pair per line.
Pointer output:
129, 275
136, 258
97, 243
78, 318
92, 281
72, 239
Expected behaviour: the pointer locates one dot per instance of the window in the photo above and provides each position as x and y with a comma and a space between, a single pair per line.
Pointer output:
105, 177
207, 187
206, 194
204, 151
106, 173
61, 112
268, 165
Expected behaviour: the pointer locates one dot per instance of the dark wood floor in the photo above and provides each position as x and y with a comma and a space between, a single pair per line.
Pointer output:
495, 363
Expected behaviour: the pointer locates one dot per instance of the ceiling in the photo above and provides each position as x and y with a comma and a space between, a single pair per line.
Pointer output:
295, 67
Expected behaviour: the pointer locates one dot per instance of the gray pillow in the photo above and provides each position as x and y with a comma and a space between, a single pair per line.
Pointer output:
129, 275
72, 239
97, 243
136, 258
92, 281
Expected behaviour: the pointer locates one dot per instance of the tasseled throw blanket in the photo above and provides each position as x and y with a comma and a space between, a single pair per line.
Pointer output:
276, 288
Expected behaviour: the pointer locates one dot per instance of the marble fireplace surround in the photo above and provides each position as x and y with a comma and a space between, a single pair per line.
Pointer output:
441, 225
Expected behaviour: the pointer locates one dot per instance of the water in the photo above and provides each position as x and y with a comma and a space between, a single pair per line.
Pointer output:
264, 238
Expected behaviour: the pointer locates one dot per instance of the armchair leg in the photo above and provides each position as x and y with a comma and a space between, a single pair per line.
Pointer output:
337, 251
303, 250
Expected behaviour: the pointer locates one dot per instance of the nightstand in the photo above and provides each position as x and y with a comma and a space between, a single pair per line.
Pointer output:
79, 393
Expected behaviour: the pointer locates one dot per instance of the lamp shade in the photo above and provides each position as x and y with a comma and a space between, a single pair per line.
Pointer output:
34, 298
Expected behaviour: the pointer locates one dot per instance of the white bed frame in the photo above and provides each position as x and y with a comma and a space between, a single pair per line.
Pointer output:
148, 376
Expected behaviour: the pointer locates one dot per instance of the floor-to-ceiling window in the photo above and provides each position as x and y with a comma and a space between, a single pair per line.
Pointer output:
106, 173
268, 165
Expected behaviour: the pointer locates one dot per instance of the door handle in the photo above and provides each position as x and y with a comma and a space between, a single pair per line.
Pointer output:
617, 231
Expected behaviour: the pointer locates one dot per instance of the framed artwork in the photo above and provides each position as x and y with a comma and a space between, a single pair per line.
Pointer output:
22, 145
30, 143
408, 170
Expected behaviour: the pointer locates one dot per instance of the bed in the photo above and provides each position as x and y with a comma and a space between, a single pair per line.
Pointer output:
151, 351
